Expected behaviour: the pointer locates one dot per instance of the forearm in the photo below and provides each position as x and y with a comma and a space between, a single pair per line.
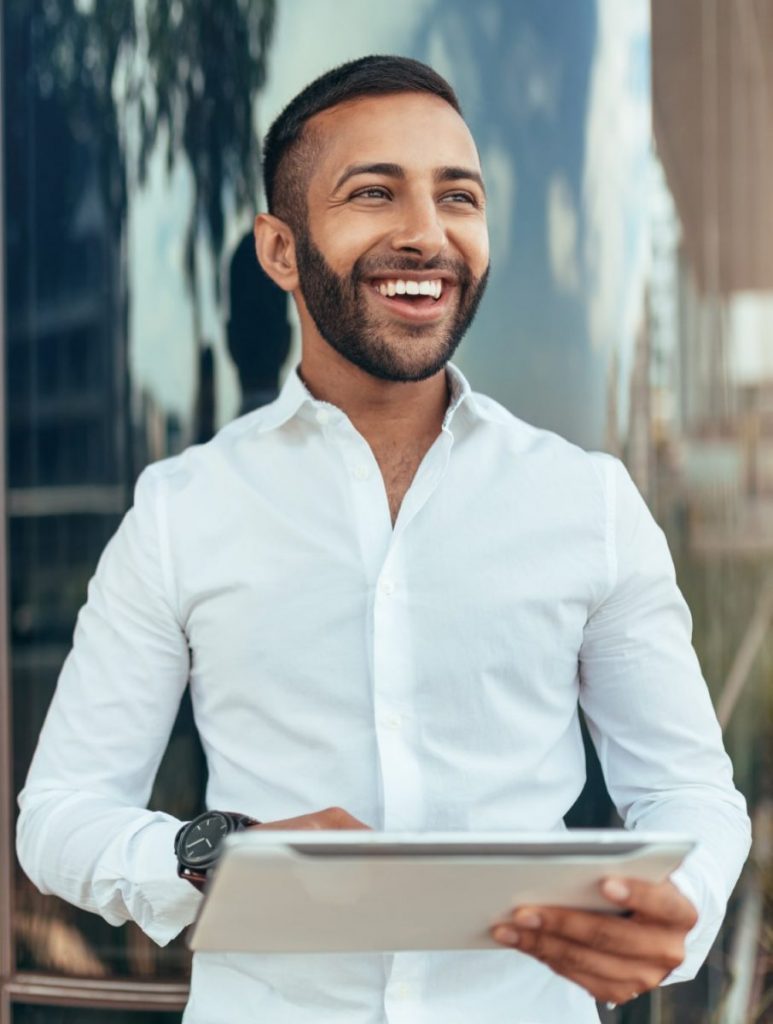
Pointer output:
83, 833
722, 832
113, 860
651, 719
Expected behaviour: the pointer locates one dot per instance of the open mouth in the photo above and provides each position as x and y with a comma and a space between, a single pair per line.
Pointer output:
389, 287
410, 299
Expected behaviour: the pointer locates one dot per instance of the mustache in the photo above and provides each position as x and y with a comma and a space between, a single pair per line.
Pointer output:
367, 267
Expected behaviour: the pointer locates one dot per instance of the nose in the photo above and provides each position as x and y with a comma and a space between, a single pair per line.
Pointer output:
420, 229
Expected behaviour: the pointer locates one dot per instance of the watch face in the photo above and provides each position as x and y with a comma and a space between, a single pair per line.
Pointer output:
200, 844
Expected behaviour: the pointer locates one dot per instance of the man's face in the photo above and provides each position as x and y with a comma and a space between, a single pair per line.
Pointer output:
395, 206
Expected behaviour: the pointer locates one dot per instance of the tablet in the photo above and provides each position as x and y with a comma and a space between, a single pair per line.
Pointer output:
355, 891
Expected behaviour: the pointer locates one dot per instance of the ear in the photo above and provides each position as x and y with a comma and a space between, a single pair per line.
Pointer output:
275, 249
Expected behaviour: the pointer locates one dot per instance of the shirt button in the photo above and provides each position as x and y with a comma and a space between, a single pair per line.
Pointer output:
361, 472
391, 720
386, 587
323, 417
402, 990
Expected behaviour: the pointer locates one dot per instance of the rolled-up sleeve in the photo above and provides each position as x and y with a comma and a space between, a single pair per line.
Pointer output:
84, 832
651, 718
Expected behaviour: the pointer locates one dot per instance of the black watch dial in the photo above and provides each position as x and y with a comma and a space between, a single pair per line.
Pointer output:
200, 843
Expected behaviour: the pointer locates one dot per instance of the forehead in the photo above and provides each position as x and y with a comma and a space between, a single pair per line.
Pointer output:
392, 129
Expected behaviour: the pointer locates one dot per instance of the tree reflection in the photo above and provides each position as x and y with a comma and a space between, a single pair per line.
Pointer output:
207, 62
182, 73
93, 90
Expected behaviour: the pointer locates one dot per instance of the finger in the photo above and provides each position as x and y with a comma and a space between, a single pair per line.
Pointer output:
330, 818
657, 901
338, 818
302, 823
612, 993
570, 959
624, 937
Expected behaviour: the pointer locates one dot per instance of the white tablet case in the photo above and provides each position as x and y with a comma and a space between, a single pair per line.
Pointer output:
307, 892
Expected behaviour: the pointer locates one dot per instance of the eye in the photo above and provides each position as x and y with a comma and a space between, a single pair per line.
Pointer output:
461, 197
371, 192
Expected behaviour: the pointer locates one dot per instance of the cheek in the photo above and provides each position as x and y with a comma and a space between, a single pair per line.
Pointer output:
473, 244
344, 242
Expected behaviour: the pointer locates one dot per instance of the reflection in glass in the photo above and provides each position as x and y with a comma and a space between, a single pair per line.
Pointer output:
85, 133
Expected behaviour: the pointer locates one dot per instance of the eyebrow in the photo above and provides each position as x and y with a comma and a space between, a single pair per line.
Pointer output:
396, 171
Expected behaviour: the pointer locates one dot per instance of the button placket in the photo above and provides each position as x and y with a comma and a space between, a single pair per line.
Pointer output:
394, 686
404, 986
370, 512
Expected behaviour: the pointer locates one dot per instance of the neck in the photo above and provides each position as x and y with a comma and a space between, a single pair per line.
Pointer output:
386, 413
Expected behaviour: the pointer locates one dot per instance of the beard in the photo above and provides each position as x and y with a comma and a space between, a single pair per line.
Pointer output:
341, 314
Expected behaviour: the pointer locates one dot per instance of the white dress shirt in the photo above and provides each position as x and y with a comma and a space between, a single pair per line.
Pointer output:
425, 676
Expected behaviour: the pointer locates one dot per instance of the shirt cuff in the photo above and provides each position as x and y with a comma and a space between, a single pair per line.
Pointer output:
139, 882
692, 879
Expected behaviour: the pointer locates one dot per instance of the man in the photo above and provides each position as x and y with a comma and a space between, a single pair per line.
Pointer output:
388, 595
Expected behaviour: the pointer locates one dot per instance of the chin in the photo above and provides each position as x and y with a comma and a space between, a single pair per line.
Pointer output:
407, 371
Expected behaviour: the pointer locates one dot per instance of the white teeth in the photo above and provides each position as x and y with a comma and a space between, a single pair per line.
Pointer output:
400, 287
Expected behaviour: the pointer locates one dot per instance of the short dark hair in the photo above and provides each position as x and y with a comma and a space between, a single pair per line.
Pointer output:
288, 151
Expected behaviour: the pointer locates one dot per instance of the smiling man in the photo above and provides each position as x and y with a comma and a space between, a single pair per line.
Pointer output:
390, 597
394, 316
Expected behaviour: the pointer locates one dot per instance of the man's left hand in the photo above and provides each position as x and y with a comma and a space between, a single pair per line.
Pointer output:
613, 958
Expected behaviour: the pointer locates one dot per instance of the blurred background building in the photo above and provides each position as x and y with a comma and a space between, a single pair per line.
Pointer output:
627, 150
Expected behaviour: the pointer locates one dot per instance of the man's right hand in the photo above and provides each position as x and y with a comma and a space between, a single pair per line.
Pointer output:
330, 818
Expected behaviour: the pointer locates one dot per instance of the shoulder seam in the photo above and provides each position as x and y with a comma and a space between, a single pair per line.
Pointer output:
611, 521
164, 548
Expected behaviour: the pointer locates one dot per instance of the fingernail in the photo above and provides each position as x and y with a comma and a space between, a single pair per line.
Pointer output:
616, 889
528, 919
509, 936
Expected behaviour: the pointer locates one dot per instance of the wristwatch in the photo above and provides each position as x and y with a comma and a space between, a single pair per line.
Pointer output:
197, 844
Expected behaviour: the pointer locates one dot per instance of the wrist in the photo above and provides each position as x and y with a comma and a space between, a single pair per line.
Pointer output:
198, 843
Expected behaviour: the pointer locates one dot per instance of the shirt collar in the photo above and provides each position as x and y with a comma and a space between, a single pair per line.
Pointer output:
460, 395
295, 395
